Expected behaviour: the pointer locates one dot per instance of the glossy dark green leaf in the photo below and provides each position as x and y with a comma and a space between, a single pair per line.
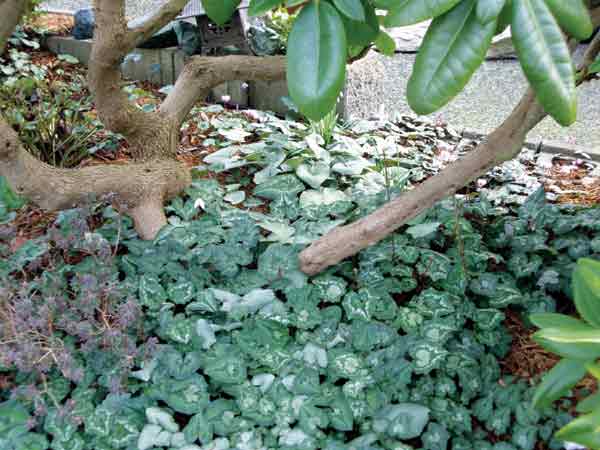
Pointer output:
408, 12
220, 11
589, 404
385, 43
558, 381
553, 320
584, 430
505, 17
488, 10
586, 290
385, 4
353, 9
570, 343
260, 7
454, 47
595, 67
545, 58
573, 16
316, 66
361, 34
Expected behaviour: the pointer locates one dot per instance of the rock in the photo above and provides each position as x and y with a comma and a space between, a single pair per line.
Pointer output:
85, 23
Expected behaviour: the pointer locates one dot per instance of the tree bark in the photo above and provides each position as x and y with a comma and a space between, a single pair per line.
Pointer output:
136, 189
150, 135
140, 31
502, 145
202, 73
10, 12
139, 189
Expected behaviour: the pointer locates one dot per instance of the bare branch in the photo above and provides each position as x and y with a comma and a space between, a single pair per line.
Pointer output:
143, 29
590, 55
502, 145
201, 74
11, 12
596, 17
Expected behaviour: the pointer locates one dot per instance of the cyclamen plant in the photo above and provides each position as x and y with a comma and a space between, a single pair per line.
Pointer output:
61, 307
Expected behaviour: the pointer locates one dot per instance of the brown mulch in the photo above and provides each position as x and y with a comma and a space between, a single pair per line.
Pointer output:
54, 23
572, 182
31, 222
527, 359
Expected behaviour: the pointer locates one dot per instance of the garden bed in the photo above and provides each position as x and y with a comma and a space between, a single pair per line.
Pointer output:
211, 338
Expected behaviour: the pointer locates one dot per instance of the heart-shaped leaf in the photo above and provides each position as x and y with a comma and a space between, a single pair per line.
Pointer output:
316, 59
454, 47
545, 58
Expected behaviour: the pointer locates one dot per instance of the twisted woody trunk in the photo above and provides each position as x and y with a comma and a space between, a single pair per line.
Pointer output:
154, 175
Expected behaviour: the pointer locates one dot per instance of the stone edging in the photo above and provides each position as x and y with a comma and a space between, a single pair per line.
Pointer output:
552, 147
162, 66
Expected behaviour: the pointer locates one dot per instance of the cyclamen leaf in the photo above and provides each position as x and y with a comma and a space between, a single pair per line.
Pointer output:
316, 67
220, 11
558, 381
408, 12
488, 10
545, 59
573, 16
454, 47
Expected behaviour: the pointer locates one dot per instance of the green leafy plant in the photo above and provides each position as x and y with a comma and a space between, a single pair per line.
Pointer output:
211, 337
326, 126
578, 343
51, 122
9, 202
326, 32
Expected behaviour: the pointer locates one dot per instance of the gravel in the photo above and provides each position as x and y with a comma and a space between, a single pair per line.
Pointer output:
486, 101
377, 85
135, 8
